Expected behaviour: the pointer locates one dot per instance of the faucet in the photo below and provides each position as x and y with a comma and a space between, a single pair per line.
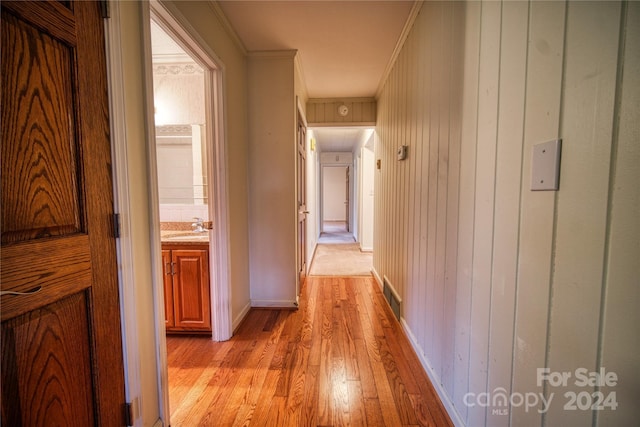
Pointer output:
198, 226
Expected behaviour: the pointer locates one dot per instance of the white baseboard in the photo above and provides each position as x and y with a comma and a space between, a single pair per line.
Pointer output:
435, 380
366, 249
265, 303
377, 277
240, 317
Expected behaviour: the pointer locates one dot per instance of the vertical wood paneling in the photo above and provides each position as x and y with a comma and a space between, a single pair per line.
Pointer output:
431, 177
619, 343
450, 279
489, 271
465, 221
513, 62
589, 88
488, 90
325, 111
542, 111
444, 127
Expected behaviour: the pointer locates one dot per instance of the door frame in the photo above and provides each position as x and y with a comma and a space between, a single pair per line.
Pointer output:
349, 167
218, 206
216, 163
302, 267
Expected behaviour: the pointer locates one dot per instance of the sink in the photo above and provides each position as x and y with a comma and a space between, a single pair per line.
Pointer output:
187, 236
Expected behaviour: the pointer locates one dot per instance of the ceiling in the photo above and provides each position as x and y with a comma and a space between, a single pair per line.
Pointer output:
344, 47
339, 139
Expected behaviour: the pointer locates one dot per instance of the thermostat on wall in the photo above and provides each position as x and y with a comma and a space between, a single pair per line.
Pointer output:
402, 152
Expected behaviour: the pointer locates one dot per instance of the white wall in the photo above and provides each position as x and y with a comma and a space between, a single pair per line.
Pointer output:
366, 197
334, 193
205, 19
272, 178
496, 280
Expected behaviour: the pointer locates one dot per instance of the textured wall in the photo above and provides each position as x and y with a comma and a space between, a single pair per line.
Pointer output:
496, 280
324, 112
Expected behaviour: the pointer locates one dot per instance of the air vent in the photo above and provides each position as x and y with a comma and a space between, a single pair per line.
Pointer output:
392, 297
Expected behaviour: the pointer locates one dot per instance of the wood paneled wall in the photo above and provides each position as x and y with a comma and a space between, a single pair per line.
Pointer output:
324, 112
497, 281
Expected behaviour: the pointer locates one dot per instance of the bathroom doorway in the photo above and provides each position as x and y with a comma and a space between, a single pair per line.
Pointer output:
188, 172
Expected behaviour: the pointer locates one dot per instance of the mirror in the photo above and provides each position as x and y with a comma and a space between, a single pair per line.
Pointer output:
182, 172
179, 103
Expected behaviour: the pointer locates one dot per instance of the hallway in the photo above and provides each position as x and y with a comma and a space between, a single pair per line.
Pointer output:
338, 254
341, 359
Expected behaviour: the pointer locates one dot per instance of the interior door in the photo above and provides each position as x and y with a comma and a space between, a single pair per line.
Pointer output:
346, 195
302, 203
61, 337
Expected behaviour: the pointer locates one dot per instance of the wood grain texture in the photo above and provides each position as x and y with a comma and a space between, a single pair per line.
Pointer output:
323, 365
39, 147
57, 370
186, 288
61, 267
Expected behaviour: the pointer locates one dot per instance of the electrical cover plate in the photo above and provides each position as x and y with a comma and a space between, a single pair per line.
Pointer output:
545, 166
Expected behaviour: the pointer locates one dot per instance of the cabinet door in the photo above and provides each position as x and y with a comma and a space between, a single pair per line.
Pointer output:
168, 288
191, 300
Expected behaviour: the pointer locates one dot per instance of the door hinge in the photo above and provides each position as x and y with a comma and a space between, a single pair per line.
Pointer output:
128, 414
104, 9
116, 225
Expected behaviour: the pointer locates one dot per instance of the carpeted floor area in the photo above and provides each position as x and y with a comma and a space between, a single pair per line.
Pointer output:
342, 259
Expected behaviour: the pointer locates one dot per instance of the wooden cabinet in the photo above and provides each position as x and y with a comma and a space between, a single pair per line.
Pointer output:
187, 303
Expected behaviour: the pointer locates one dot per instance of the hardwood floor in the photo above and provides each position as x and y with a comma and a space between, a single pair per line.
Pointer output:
341, 359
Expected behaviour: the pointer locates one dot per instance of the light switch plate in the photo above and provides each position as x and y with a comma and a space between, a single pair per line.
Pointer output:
545, 166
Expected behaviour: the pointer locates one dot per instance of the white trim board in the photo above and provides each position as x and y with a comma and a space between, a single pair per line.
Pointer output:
265, 303
435, 380
241, 316
126, 260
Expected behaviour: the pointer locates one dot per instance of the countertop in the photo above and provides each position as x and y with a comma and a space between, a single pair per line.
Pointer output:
184, 237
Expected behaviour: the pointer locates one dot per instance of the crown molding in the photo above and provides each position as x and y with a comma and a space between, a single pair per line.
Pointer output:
226, 25
285, 53
408, 25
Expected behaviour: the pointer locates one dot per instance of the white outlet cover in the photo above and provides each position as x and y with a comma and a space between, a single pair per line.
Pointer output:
545, 166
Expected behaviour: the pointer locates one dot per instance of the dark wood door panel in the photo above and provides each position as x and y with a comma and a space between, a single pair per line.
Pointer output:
47, 352
52, 17
191, 289
40, 164
58, 267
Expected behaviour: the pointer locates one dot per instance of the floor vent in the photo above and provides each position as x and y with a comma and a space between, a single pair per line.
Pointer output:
391, 297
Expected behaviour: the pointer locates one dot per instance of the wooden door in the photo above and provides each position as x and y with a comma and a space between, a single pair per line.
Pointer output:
61, 337
191, 297
168, 269
302, 203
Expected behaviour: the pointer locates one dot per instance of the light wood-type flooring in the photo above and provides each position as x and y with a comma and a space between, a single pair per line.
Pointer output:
340, 359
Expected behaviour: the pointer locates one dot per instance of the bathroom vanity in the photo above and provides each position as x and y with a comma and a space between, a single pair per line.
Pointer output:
187, 302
